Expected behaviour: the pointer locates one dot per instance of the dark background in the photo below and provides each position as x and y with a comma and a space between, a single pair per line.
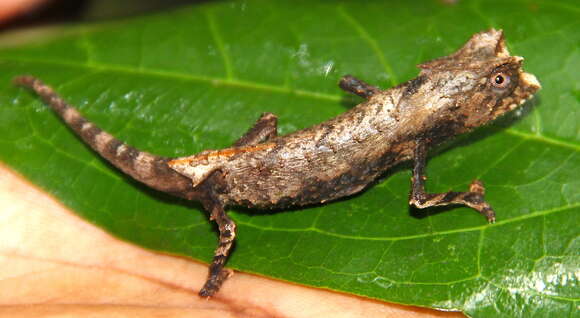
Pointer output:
59, 11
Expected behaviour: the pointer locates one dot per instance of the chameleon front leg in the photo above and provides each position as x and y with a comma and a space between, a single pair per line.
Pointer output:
358, 87
421, 199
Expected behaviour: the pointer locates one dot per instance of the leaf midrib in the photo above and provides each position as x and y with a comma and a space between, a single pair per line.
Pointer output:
258, 86
416, 236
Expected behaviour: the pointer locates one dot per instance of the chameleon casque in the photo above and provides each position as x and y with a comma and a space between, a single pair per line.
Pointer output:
339, 157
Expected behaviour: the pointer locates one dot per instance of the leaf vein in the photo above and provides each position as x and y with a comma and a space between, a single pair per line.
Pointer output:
371, 42
528, 291
214, 29
206, 79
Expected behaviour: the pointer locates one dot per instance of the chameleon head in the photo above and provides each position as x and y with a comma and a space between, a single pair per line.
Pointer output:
481, 80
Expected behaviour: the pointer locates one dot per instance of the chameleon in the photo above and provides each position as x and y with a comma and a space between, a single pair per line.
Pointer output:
337, 158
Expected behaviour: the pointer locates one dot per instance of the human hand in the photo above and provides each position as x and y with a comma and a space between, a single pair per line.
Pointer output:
53, 262
10, 9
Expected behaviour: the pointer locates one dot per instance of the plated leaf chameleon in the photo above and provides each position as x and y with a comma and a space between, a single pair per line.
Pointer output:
337, 158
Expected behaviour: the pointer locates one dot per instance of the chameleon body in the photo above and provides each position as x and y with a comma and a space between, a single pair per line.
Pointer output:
339, 157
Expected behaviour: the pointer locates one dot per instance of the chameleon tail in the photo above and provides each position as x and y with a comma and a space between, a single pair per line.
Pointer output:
142, 166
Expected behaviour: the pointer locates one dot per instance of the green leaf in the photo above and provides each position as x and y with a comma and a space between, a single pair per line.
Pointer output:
180, 82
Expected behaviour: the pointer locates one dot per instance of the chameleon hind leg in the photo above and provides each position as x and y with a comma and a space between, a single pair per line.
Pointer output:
474, 198
358, 87
264, 129
227, 233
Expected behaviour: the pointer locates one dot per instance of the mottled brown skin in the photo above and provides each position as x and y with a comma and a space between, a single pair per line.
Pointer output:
339, 157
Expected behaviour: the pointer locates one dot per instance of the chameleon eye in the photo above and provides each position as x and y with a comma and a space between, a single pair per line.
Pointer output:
500, 80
